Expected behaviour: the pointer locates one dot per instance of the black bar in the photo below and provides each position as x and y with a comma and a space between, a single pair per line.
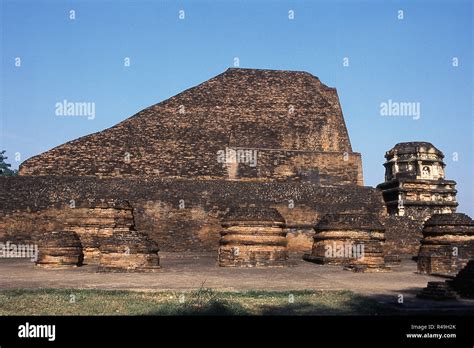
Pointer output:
134, 330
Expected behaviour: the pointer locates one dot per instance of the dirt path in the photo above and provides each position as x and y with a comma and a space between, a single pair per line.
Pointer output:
190, 271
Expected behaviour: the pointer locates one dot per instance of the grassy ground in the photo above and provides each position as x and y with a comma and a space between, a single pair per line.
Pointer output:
200, 302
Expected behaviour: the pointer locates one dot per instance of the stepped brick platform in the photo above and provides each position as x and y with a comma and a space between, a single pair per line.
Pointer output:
463, 283
251, 237
438, 291
59, 249
447, 244
129, 251
355, 241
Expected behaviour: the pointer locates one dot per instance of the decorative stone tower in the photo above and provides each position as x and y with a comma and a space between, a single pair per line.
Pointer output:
414, 182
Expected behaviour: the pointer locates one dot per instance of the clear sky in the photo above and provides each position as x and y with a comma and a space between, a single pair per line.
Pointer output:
82, 59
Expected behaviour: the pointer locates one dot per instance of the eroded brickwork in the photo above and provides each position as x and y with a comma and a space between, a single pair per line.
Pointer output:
253, 237
59, 249
355, 241
447, 244
128, 251
415, 185
179, 215
291, 119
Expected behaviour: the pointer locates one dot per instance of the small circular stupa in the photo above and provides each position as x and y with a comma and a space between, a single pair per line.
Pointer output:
130, 251
354, 240
253, 236
447, 244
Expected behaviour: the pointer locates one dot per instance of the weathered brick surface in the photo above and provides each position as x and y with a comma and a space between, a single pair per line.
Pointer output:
128, 251
415, 184
324, 168
447, 244
241, 108
355, 240
94, 221
156, 204
59, 249
253, 236
402, 235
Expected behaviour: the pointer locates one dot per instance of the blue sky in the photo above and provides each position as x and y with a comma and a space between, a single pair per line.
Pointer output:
409, 60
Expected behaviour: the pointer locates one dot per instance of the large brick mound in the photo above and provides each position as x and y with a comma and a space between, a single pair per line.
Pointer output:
290, 118
247, 137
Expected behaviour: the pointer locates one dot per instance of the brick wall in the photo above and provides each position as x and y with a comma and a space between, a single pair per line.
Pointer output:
156, 203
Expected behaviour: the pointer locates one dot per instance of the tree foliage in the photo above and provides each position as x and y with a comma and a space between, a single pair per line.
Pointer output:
5, 167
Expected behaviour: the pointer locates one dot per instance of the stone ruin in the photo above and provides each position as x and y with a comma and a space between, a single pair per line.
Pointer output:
129, 251
236, 145
447, 244
462, 285
246, 137
253, 236
438, 291
463, 282
414, 182
94, 221
252, 124
353, 240
59, 249
103, 233
414, 189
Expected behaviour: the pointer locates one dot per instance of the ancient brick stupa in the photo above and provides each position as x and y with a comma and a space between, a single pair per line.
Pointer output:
281, 132
415, 183
447, 244
59, 249
243, 123
96, 220
253, 236
353, 240
129, 251
245, 136
107, 232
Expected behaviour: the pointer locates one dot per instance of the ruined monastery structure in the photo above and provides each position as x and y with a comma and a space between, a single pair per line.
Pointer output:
251, 165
